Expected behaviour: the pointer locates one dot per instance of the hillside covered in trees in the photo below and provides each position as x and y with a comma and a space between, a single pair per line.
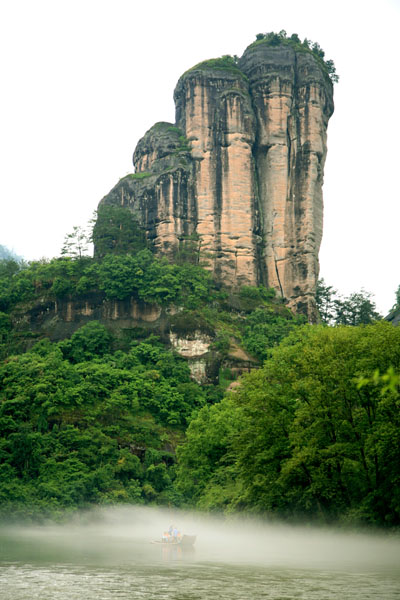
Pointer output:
312, 430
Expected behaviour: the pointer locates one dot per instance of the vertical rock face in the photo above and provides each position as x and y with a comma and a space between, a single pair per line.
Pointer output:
293, 102
242, 169
215, 112
160, 193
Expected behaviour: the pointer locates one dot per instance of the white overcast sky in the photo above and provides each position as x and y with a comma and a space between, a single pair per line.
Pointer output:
81, 82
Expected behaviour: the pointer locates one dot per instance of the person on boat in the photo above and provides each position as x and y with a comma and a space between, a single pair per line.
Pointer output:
175, 534
165, 536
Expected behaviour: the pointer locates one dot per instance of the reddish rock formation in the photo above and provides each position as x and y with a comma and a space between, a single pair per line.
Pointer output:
292, 99
242, 169
214, 110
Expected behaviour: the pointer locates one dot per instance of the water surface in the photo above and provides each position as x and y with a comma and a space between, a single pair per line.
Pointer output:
108, 554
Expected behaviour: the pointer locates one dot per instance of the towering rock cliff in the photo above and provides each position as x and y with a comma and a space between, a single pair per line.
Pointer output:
241, 170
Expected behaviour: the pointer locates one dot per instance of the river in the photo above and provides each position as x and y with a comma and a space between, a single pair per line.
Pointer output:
107, 554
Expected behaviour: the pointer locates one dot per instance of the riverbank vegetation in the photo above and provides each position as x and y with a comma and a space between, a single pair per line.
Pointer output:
81, 425
314, 433
311, 432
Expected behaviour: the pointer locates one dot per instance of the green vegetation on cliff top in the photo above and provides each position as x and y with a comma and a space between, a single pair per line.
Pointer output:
276, 39
223, 63
230, 63
141, 175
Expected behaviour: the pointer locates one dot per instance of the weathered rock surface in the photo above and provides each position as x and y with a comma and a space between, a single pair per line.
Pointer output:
131, 319
159, 192
195, 349
242, 169
214, 109
59, 319
293, 102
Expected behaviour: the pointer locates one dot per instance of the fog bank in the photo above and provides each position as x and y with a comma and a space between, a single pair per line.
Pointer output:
123, 535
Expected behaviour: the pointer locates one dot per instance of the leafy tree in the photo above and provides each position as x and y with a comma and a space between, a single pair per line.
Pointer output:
325, 299
316, 48
76, 244
265, 328
396, 305
330, 66
5, 327
356, 309
119, 276
14, 283
203, 458
116, 231
9, 267
88, 342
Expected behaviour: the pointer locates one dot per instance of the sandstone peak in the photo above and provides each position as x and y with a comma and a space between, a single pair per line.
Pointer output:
242, 167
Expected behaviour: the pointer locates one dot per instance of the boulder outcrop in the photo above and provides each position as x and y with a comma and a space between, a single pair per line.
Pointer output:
241, 170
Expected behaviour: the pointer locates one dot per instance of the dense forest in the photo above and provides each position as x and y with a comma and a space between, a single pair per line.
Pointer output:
313, 431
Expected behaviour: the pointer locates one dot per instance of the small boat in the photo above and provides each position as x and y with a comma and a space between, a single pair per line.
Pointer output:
185, 540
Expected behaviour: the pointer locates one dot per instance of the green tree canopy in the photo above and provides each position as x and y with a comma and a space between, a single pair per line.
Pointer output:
116, 231
314, 435
76, 244
356, 309
81, 425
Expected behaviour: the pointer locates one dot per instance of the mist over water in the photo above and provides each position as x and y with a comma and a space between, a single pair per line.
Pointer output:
107, 553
